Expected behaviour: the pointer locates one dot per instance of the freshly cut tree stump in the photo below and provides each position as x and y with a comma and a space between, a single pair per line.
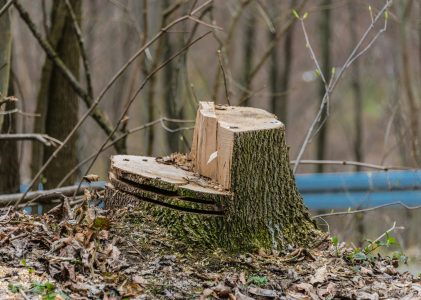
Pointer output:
235, 190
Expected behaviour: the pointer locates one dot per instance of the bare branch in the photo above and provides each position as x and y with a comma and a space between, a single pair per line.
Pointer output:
351, 212
103, 92
82, 48
350, 163
42, 138
128, 132
150, 75
5, 7
97, 114
227, 94
355, 53
20, 112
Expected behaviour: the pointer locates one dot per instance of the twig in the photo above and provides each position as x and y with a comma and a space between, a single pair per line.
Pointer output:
387, 232
126, 109
20, 112
4, 100
274, 43
82, 48
106, 88
42, 138
350, 163
130, 131
227, 97
341, 213
355, 53
5, 7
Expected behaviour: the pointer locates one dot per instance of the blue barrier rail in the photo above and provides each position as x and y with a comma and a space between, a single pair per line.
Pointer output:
355, 190
360, 189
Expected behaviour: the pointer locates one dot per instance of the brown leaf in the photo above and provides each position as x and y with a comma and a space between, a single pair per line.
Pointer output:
222, 290
262, 293
320, 276
91, 177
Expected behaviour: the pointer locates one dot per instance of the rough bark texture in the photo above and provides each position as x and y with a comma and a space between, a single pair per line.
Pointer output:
260, 209
61, 111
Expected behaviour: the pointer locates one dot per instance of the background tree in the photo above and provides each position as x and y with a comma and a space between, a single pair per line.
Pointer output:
9, 164
5, 54
249, 45
57, 102
325, 57
279, 77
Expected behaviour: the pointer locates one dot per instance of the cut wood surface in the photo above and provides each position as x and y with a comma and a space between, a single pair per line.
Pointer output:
146, 179
214, 132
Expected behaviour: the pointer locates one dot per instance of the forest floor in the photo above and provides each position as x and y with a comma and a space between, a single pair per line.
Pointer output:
87, 253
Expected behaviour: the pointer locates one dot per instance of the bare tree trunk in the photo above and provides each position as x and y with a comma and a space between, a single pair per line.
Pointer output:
249, 44
57, 24
62, 102
406, 8
356, 88
5, 54
325, 65
279, 83
9, 163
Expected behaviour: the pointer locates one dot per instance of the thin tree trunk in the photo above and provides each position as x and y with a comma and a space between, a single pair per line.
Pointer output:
249, 43
173, 83
5, 54
62, 102
356, 88
325, 66
9, 162
406, 8
57, 24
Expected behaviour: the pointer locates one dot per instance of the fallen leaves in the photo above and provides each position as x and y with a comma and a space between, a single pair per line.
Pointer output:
90, 253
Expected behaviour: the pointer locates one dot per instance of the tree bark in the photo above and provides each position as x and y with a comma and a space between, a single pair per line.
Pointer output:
62, 105
249, 202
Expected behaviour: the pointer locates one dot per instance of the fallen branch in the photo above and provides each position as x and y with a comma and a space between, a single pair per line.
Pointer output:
42, 138
42, 196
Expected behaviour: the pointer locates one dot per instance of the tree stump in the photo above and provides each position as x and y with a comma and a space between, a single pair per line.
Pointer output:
234, 190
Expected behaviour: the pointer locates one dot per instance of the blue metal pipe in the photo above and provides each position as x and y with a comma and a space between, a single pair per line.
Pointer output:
359, 181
